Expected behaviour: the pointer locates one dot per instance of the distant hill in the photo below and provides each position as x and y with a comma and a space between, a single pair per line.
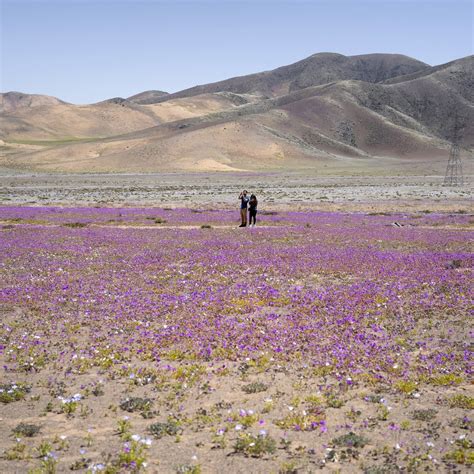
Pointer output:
374, 112
36, 117
147, 97
12, 101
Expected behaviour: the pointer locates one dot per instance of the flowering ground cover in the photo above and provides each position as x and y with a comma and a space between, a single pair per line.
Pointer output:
168, 340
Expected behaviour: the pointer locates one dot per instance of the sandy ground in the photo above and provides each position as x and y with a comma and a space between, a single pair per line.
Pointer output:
290, 191
404, 429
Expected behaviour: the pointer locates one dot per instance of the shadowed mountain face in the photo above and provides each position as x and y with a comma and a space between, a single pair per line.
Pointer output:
328, 113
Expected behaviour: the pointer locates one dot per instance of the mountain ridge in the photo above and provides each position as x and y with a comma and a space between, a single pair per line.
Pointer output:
276, 123
332, 66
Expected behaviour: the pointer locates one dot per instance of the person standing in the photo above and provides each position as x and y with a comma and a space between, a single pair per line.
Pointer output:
244, 200
253, 203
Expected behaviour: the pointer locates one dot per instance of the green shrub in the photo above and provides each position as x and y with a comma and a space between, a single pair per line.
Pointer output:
461, 401
255, 446
136, 404
255, 387
460, 456
26, 430
13, 392
170, 428
350, 440
425, 415
301, 422
406, 386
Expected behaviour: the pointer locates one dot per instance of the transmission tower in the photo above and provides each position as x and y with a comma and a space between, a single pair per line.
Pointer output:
454, 176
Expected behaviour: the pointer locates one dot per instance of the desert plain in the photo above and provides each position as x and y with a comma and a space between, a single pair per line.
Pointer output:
141, 330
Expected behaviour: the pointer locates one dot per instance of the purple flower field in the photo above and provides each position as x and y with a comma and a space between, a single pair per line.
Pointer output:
332, 314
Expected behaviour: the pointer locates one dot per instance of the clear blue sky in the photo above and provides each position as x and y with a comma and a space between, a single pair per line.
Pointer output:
86, 51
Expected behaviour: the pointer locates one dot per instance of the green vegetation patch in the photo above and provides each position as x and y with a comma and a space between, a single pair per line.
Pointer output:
255, 387
425, 415
460, 456
461, 401
134, 404
12, 392
255, 446
50, 143
351, 440
170, 428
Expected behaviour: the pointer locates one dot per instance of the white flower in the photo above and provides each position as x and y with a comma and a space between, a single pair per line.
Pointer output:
238, 427
97, 467
136, 437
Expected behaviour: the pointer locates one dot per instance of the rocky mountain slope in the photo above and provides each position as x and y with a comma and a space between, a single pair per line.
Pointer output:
326, 112
321, 68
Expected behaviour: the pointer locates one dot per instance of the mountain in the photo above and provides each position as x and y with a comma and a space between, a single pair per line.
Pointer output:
318, 69
386, 122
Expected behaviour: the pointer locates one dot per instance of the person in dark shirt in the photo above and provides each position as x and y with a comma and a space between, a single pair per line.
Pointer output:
244, 200
253, 203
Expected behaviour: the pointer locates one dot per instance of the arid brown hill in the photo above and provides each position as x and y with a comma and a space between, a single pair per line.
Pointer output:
147, 97
25, 117
375, 118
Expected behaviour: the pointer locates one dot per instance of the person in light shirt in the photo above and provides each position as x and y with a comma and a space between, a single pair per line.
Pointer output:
244, 200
